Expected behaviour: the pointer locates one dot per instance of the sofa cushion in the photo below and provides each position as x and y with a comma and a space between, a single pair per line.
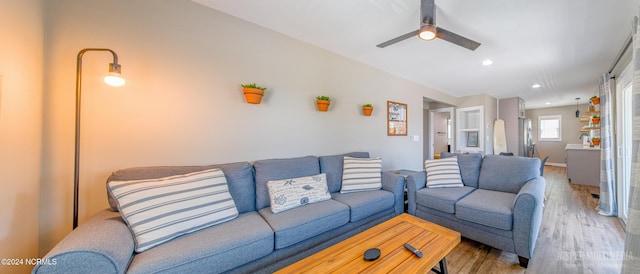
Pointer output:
290, 193
443, 199
487, 207
507, 174
211, 250
278, 169
361, 174
300, 223
363, 204
239, 178
443, 173
332, 166
470, 164
158, 210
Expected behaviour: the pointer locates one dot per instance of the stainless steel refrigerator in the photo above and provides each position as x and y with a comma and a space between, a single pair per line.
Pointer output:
525, 145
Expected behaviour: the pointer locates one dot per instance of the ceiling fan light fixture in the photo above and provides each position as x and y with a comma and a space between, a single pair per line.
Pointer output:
427, 32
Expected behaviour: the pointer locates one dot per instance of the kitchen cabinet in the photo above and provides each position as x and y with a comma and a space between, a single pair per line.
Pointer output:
583, 164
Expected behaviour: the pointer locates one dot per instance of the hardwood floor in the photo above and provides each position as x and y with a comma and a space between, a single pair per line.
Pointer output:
573, 237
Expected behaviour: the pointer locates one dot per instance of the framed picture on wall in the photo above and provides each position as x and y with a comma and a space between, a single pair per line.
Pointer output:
472, 139
396, 119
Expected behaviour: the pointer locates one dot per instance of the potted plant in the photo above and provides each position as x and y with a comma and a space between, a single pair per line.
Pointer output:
253, 93
595, 141
367, 109
323, 103
595, 100
595, 119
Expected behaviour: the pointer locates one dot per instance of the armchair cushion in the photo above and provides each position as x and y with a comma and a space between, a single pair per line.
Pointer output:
507, 174
443, 199
486, 207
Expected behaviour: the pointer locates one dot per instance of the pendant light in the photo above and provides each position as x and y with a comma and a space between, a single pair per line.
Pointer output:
577, 110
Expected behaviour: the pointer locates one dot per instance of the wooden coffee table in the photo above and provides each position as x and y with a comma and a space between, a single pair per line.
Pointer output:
433, 240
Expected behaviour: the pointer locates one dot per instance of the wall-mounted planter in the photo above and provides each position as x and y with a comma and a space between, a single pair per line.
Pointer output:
323, 105
253, 95
366, 110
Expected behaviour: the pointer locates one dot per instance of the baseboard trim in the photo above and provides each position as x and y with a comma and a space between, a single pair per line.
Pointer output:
556, 164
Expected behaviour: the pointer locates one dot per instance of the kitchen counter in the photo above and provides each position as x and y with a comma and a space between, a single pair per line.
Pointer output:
583, 164
580, 146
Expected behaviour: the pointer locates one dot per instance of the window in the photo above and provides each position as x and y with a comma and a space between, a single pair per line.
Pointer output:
550, 128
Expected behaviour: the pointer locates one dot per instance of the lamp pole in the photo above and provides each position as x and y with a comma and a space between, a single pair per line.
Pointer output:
113, 68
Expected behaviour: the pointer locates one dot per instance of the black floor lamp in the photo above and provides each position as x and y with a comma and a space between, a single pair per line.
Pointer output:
112, 79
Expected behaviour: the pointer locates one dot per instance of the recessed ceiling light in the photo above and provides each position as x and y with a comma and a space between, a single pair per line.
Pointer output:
536, 86
547, 103
487, 62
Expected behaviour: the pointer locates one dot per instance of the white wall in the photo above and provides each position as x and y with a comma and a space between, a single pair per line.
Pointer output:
21, 49
183, 105
570, 131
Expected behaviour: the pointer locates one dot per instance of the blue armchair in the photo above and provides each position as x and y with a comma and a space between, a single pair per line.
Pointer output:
500, 204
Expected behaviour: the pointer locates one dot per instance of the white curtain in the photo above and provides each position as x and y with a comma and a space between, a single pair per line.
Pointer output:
607, 204
631, 257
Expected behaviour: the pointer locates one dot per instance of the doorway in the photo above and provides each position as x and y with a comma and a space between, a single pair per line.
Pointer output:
623, 142
440, 131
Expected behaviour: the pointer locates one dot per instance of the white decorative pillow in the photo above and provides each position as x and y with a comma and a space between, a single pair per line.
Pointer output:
443, 173
290, 193
361, 174
158, 210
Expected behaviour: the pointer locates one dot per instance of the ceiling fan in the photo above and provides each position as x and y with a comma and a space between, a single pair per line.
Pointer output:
429, 31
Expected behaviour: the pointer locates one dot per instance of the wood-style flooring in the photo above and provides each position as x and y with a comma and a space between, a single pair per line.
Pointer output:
573, 237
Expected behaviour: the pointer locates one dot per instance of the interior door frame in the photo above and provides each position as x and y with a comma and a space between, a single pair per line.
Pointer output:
451, 111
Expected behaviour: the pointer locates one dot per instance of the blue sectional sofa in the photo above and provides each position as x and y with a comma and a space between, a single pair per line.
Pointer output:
499, 205
257, 241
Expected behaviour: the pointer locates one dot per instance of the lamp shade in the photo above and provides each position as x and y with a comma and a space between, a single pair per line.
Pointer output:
427, 32
114, 79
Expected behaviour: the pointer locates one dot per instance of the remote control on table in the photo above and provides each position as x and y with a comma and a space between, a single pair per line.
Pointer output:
413, 249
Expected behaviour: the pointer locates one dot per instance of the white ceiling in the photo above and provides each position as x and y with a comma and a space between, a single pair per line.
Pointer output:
564, 45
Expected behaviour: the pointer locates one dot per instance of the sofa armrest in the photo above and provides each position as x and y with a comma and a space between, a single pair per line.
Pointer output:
103, 244
527, 216
395, 184
415, 182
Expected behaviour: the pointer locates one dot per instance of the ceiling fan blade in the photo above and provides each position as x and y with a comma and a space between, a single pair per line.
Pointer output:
456, 39
398, 39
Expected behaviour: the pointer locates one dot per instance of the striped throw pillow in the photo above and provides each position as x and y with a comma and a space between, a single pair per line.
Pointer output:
443, 173
158, 210
361, 174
